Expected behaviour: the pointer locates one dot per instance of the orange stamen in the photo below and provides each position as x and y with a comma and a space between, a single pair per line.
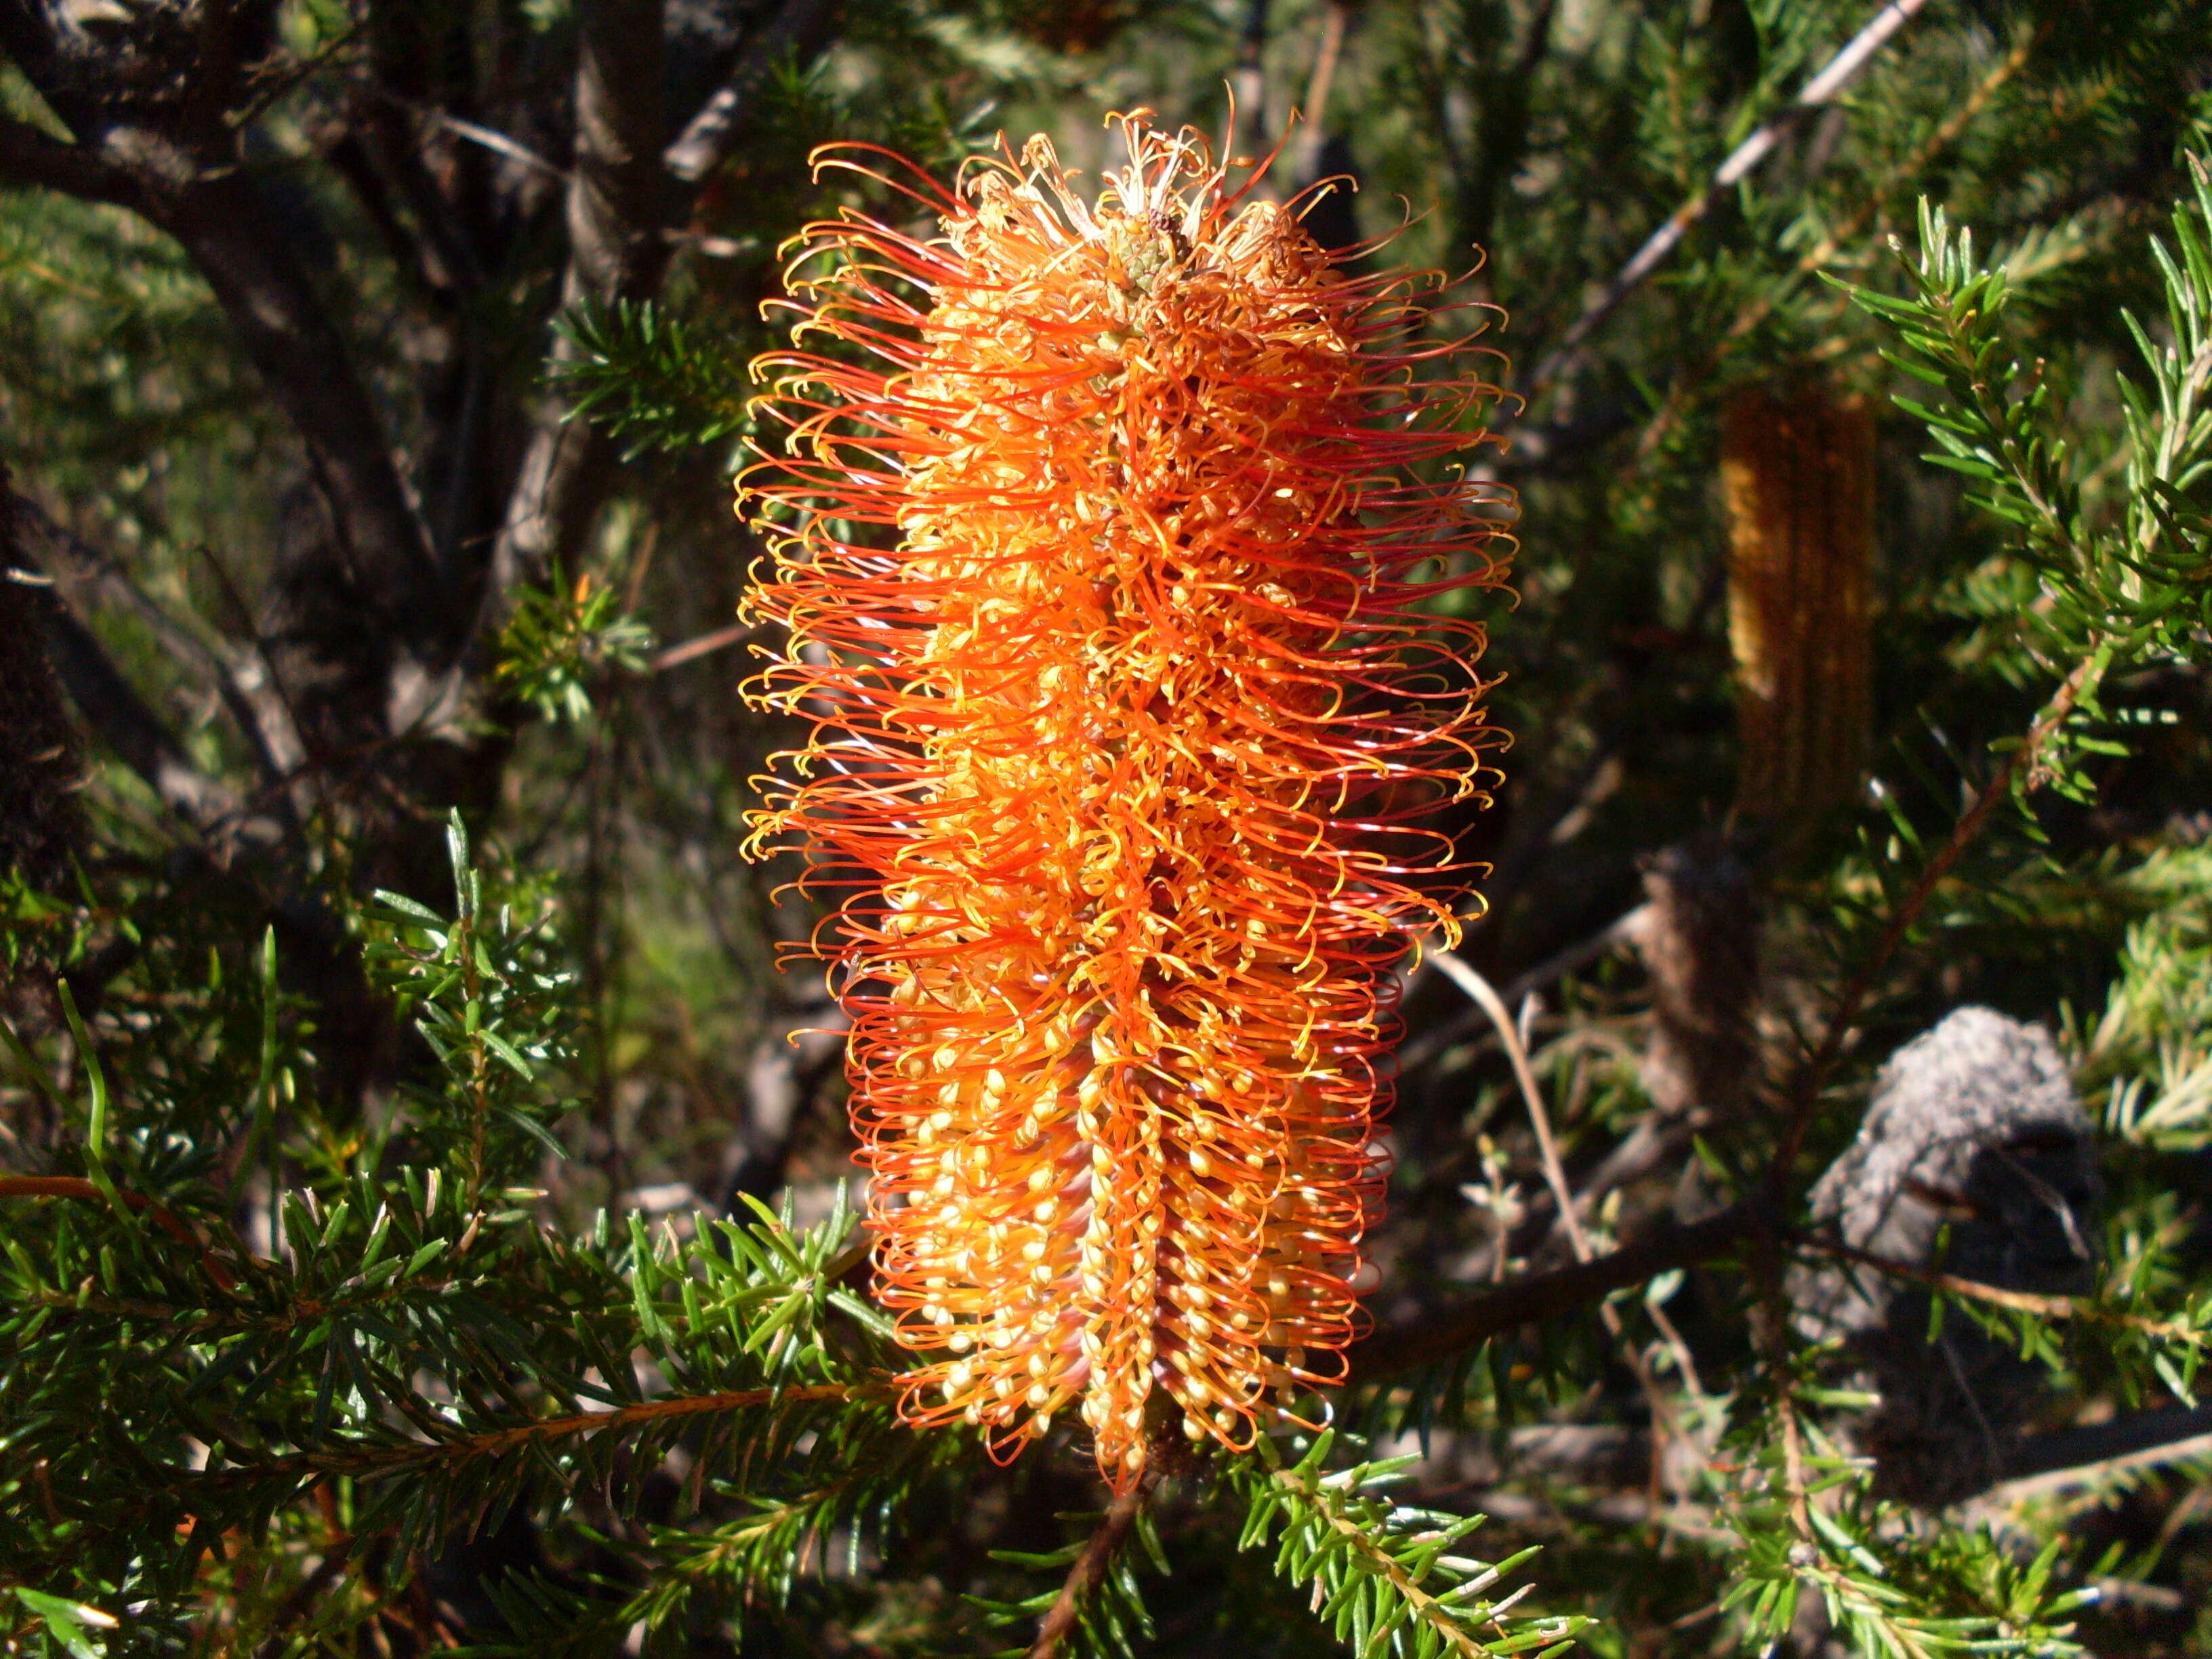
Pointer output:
1121, 756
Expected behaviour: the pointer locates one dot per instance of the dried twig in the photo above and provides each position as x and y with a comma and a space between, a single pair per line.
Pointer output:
1620, 930
703, 645
1663, 1415
1461, 975
2027, 1302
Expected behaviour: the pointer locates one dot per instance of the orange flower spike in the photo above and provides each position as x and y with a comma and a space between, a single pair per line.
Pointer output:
1121, 758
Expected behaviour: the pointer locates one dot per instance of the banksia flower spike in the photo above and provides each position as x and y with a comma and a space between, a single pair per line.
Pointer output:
1797, 477
1130, 713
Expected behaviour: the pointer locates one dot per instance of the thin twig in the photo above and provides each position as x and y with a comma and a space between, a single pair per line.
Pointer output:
2027, 1302
1840, 72
1663, 1415
498, 142
1759, 309
1465, 976
1419, 1052
704, 645
1769, 1322
1447, 1621
1792, 1462
371, 1463
491, 139
84, 1191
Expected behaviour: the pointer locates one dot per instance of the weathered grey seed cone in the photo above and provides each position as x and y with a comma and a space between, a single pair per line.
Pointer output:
1974, 1126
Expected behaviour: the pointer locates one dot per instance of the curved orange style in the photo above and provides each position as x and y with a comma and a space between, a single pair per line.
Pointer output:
1108, 548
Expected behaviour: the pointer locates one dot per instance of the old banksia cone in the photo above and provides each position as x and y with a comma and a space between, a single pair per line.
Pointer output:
1109, 550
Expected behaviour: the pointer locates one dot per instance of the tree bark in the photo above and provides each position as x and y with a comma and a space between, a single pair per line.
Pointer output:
234, 239
617, 251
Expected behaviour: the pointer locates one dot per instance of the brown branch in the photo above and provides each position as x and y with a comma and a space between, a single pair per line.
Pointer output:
1555, 1177
112, 707
1448, 1033
1451, 1331
2027, 1302
373, 1461
1464, 975
78, 1188
38, 161
2042, 1462
445, 255
616, 205
1091, 1566
254, 705
1770, 1324
186, 180
226, 225
615, 245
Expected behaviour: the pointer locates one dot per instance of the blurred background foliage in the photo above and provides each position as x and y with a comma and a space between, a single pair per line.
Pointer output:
484, 294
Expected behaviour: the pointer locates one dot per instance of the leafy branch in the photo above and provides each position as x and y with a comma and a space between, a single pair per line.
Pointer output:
652, 379
2108, 595
1895, 1586
1099, 1607
1382, 1574
564, 641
